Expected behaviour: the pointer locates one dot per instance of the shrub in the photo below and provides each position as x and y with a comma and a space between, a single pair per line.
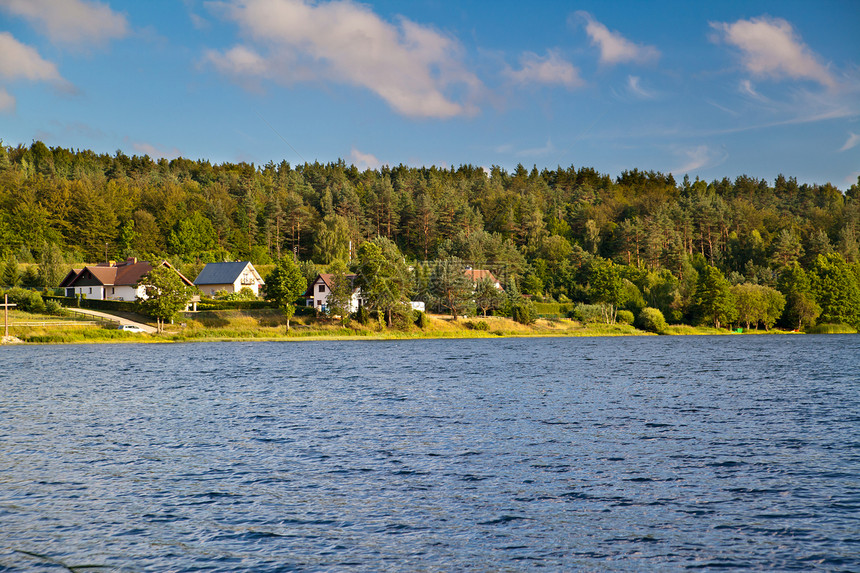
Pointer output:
624, 317
53, 307
362, 315
27, 300
477, 325
651, 319
586, 313
421, 320
524, 312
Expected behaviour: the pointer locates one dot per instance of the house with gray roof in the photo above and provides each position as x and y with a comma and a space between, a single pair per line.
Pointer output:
229, 277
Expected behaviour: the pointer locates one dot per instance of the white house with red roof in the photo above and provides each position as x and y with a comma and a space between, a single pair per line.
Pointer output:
318, 291
112, 280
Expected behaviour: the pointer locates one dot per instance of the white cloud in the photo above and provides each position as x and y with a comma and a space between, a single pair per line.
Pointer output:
7, 101
70, 21
239, 60
19, 61
552, 70
853, 140
771, 48
615, 48
538, 151
747, 88
410, 66
155, 151
699, 157
634, 84
363, 160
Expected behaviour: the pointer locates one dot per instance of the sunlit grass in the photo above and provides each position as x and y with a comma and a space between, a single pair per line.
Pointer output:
831, 329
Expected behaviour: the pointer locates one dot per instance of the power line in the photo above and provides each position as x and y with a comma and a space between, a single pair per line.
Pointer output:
279, 135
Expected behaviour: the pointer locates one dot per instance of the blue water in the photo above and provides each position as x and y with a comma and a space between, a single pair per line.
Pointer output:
634, 454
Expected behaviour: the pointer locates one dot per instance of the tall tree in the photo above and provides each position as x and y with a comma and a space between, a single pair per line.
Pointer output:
284, 285
382, 276
714, 298
166, 294
487, 296
801, 308
451, 289
836, 290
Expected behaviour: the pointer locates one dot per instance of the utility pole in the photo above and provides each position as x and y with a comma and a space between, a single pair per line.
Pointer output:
6, 306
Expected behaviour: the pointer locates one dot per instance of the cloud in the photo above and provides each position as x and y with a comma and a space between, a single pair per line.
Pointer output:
70, 21
634, 84
19, 61
239, 60
412, 67
363, 160
699, 157
853, 140
155, 151
7, 101
748, 89
551, 70
615, 48
771, 48
538, 151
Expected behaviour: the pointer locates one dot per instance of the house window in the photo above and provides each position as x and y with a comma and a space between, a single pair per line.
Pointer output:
91, 290
319, 303
112, 290
322, 288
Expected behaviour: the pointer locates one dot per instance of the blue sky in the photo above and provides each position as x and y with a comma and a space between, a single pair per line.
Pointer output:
710, 89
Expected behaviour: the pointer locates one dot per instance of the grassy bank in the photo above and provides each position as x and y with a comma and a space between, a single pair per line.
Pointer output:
270, 324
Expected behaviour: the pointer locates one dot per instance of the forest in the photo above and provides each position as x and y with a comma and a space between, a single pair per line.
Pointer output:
740, 251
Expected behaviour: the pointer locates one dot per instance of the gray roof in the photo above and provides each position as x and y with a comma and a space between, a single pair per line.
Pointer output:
220, 273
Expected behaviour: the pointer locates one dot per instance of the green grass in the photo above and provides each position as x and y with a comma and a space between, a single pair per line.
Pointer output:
831, 329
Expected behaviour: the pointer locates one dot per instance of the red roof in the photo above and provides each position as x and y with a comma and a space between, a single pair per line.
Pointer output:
326, 278
125, 273
477, 275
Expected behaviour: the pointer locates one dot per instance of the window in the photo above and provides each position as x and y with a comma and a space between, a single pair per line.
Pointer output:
319, 303
91, 290
322, 288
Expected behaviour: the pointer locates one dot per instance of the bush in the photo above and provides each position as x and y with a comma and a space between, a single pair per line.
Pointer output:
651, 319
421, 320
362, 315
53, 307
587, 313
477, 325
624, 317
524, 312
27, 300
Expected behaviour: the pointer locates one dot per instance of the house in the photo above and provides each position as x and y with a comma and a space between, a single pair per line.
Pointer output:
230, 277
111, 280
476, 276
318, 291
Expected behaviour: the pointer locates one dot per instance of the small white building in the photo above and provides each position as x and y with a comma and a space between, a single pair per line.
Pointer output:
229, 277
111, 281
318, 291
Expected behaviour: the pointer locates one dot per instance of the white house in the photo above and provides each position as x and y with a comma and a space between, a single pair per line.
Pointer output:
318, 291
111, 281
230, 277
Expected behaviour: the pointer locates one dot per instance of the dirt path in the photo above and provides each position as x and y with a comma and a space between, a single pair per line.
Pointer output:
118, 319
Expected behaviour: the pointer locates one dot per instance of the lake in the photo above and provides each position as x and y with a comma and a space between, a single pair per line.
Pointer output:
597, 454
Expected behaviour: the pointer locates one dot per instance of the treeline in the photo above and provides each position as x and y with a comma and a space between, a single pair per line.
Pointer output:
545, 230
